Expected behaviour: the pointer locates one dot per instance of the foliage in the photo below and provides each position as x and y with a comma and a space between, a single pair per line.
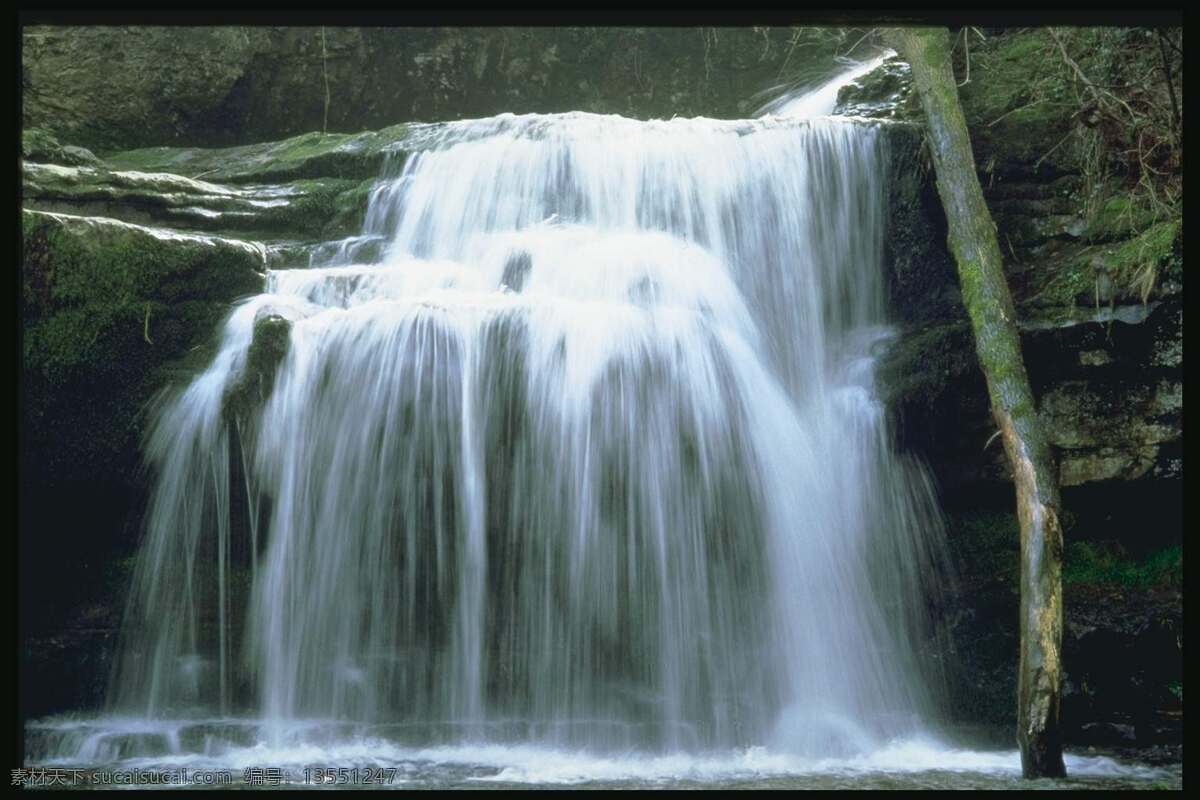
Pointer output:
986, 546
1108, 564
1110, 100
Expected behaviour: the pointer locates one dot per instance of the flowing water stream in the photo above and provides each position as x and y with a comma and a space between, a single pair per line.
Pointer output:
580, 477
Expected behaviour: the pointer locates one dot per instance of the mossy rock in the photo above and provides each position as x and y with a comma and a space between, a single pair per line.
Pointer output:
1119, 217
268, 347
109, 309
1129, 270
350, 209
924, 364
310, 155
310, 208
113, 315
884, 93
38, 144
1122, 638
113, 87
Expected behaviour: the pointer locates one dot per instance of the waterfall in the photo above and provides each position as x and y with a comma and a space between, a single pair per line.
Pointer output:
588, 453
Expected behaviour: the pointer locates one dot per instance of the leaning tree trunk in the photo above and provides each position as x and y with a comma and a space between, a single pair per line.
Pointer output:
972, 237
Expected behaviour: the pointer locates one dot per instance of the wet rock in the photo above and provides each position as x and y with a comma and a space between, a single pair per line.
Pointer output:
883, 93
1094, 277
1110, 394
266, 352
922, 278
307, 208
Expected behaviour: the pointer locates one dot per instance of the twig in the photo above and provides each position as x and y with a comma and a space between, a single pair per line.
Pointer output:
967, 55
860, 41
1175, 47
1011, 249
1015, 110
788, 57
1162, 48
1096, 91
1038, 163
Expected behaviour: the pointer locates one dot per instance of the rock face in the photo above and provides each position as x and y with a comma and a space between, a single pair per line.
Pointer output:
1103, 347
884, 93
117, 87
127, 273
1104, 356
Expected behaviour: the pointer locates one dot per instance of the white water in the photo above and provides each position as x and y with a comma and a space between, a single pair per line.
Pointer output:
167, 746
820, 100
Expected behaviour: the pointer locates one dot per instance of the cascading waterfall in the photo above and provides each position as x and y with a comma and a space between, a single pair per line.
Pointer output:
572, 457
589, 456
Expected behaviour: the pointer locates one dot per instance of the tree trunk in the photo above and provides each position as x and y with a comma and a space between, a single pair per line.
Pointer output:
972, 239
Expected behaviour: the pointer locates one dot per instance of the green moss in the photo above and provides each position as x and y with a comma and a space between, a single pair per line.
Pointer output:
1021, 49
924, 364
310, 155
1118, 217
313, 210
110, 312
266, 352
1142, 257
38, 144
1128, 269
1107, 564
1073, 281
350, 209
1016, 105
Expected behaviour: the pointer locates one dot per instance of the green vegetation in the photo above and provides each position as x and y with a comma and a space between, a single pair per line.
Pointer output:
985, 546
1131, 267
1139, 262
1117, 217
85, 281
1107, 564
1098, 109
111, 314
